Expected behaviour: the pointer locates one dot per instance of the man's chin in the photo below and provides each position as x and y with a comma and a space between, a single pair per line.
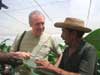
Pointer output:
66, 42
38, 35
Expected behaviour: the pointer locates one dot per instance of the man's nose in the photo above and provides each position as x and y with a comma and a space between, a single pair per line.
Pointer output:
41, 26
62, 36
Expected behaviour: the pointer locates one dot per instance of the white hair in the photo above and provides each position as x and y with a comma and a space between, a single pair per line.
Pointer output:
35, 13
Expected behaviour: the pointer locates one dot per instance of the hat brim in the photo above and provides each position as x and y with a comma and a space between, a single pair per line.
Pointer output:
70, 26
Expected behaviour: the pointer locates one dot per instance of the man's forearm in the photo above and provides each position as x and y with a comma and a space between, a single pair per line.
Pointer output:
59, 71
4, 57
58, 60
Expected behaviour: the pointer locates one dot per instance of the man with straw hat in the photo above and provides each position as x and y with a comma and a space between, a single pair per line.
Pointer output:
79, 58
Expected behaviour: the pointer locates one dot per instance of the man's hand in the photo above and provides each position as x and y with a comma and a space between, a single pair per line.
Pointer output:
43, 64
19, 55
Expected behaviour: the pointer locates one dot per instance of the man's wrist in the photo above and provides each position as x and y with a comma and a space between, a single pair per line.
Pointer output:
56, 70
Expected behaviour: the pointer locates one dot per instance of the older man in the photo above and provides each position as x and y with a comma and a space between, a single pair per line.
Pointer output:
35, 41
79, 58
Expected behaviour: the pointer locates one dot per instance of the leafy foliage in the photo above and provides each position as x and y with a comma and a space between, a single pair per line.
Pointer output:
52, 57
94, 39
4, 47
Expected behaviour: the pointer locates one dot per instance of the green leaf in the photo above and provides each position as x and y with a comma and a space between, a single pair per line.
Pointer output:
4, 47
94, 39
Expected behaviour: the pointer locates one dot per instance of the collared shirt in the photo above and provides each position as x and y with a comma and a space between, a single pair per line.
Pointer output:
82, 61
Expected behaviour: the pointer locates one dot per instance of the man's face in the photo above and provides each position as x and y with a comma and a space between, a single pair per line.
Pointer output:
37, 24
65, 35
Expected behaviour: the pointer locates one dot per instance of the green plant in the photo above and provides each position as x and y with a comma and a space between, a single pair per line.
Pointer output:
94, 39
4, 47
52, 57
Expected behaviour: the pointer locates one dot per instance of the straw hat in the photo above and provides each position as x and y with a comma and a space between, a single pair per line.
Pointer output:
73, 23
